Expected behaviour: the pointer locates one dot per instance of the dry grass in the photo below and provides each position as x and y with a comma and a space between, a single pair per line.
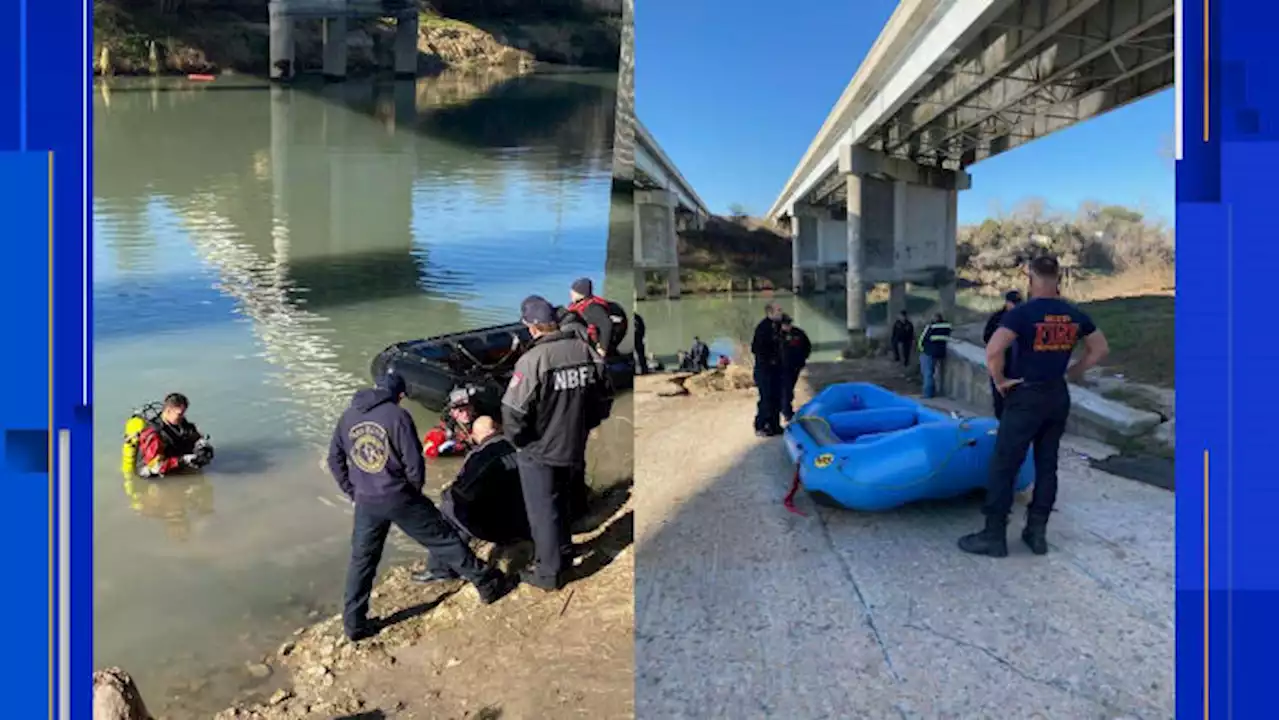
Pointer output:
1146, 279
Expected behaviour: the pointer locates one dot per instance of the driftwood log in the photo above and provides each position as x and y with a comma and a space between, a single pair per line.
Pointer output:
116, 697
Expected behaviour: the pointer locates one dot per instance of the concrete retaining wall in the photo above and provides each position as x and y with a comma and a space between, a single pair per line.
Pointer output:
1092, 415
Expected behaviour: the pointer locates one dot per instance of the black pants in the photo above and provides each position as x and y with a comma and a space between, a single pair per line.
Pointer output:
420, 520
768, 386
997, 401
902, 351
1035, 416
502, 525
549, 496
790, 376
642, 362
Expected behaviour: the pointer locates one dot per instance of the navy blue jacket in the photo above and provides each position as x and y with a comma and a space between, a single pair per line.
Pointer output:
766, 343
375, 454
795, 348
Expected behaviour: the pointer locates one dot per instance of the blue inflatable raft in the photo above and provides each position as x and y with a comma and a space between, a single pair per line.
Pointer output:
861, 447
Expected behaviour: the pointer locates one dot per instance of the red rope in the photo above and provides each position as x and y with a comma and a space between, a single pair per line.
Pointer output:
789, 502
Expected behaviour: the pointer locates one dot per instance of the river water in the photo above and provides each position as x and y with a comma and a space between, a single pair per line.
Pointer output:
254, 247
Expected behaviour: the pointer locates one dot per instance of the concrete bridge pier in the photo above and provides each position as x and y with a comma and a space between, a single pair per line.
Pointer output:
335, 48
855, 281
817, 245
656, 242
900, 227
280, 29
406, 46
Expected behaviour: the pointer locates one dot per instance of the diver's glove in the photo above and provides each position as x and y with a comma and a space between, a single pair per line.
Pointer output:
190, 460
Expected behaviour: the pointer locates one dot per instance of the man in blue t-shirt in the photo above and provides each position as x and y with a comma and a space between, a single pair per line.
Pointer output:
1043, 332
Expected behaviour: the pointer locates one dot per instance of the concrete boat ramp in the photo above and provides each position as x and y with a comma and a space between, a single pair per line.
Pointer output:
744, 610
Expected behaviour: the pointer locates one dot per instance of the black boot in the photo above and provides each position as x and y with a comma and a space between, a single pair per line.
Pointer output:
495, 586
990, 541
1033, 533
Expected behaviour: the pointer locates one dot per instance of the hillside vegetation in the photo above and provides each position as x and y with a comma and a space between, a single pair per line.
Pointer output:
199, 36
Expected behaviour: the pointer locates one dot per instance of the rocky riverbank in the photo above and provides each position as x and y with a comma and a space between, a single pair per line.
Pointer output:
136, 41
533, 654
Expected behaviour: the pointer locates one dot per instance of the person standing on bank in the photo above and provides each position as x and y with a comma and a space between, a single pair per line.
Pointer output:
376, 458
766, 347
558, 393
1011, 300
903, 335
795, 353
933, 353
1044, 330
637, 343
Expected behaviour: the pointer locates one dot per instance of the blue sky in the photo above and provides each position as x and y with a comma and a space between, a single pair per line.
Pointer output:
734, 91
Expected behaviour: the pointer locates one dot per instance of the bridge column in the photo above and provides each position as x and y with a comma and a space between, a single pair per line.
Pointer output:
947, 290
919, 203
897, 301
280, 29
335, 48
901, 250
656, 243
797, 272
855, 284
406, 46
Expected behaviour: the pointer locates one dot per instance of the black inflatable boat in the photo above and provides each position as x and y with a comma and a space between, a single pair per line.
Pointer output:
483, 358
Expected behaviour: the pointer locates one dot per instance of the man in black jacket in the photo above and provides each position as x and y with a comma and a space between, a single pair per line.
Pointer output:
558, 393
485, 500
1011, 300
795, 353
904, 334
638, 349
766, 347
376, 458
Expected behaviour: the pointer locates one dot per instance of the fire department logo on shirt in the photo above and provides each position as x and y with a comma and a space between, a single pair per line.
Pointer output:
369, 447
516, 377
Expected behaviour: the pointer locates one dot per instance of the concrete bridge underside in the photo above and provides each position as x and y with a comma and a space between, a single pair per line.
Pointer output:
664, 205
334, 16
947, 85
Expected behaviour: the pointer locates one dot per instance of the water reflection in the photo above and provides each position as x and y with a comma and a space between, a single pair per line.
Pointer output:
254, 248
175, 502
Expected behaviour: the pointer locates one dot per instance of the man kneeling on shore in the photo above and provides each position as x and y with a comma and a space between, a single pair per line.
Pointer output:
485, 500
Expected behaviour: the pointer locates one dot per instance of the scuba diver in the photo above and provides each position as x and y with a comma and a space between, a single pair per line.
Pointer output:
453, 435
159, 440
606, 321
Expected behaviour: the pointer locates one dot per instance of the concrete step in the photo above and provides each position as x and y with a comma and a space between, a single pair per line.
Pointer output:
1092, 415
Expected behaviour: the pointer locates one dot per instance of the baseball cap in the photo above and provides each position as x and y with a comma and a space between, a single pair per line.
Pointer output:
582, 286
392, 382
535, 310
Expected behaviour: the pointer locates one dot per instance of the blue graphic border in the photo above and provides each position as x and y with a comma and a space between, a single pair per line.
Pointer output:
1226, 368
47, 458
